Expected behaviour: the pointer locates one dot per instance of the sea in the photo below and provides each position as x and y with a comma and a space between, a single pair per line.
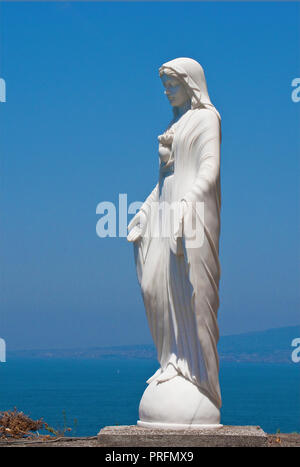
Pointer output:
88, 394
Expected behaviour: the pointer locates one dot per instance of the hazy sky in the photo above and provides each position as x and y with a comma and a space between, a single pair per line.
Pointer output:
84, 108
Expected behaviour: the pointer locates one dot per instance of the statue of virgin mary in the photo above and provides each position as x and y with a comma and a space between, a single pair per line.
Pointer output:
177, 257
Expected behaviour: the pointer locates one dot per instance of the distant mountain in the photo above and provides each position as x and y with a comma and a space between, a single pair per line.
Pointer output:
271, 346
128, 351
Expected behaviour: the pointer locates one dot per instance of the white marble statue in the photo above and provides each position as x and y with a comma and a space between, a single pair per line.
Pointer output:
178, 273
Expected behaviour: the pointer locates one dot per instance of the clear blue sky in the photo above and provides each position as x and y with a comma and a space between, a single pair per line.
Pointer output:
84, 108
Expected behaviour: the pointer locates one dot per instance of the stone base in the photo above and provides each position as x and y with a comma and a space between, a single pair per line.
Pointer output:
224, 436
177, 426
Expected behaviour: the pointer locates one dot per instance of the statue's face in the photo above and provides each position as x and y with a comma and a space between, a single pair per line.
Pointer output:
175, 91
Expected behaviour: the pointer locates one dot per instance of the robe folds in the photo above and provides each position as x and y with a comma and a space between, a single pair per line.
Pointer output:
179, 277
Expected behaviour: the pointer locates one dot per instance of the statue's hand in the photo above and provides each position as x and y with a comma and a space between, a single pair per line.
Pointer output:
137, 226
182, 210
179, 233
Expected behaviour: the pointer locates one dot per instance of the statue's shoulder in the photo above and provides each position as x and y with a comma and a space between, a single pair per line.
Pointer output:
205, 117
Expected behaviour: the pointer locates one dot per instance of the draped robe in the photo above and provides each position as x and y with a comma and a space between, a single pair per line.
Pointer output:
179, 280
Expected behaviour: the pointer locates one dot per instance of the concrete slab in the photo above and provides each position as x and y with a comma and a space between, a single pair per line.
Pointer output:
227, 436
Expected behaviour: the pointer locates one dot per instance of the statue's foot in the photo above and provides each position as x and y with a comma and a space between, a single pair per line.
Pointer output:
155, 376
163, 375
176, 403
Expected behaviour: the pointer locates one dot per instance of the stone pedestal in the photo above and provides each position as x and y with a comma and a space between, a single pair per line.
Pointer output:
227, 436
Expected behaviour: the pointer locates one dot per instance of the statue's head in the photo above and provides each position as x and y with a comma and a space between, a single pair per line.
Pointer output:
184, 81
175, 90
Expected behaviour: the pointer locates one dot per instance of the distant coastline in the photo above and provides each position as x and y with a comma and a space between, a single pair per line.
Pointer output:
270, 346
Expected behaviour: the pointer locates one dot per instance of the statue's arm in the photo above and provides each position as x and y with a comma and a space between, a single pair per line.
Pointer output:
138, 224
150, 199
207, 175
207, 148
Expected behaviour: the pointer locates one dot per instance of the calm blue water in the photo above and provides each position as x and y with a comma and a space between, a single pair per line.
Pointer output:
107, 392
